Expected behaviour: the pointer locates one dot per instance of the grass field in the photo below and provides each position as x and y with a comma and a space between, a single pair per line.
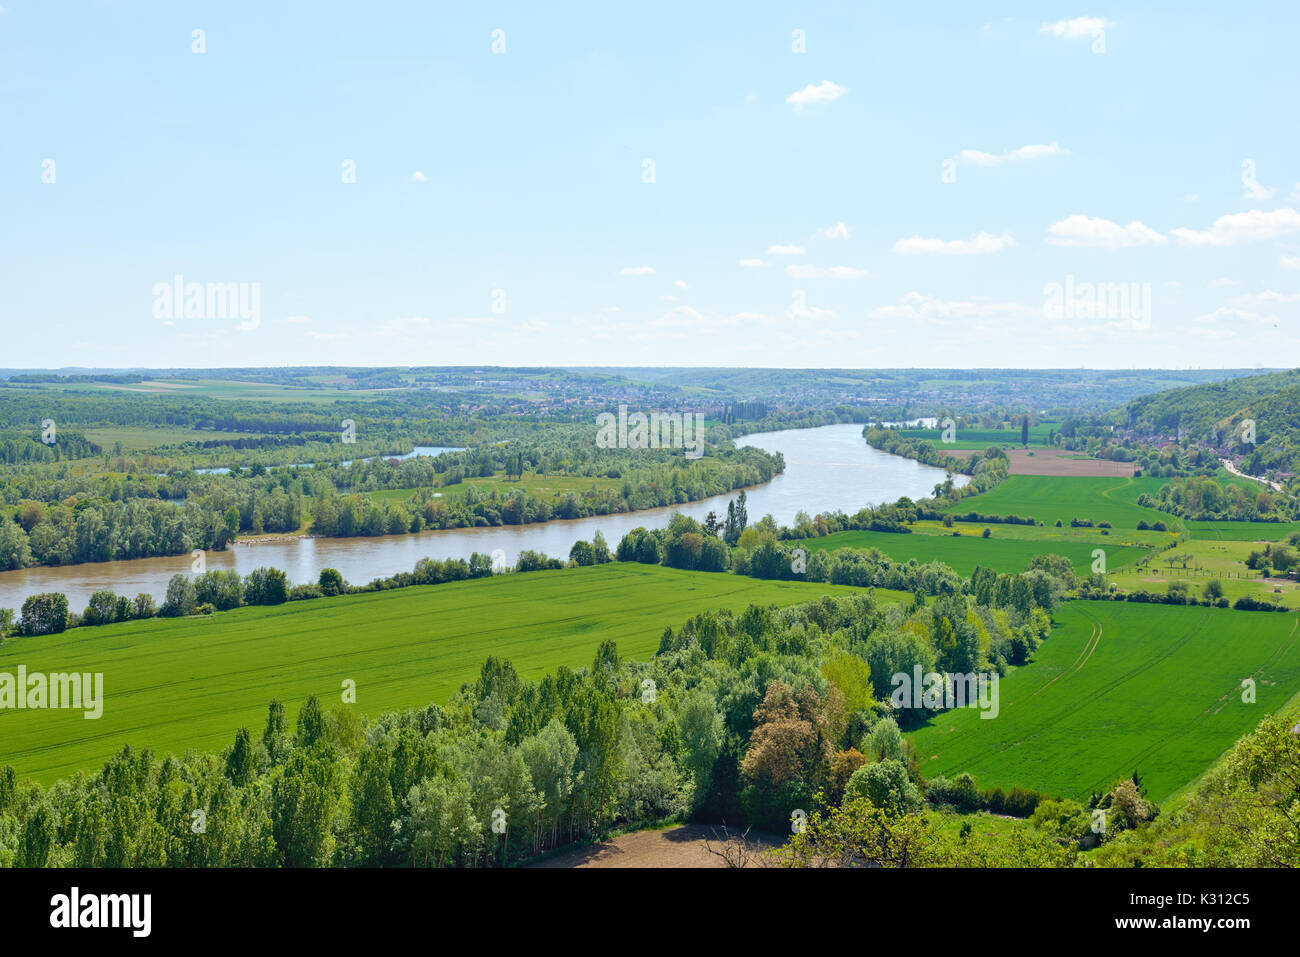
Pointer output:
1119, 688
982, 438
173, 685
962, 553
1197, 561
140, 438
1048, 498
1242, 531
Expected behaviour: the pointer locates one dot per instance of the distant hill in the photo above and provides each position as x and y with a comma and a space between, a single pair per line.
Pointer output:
1217, 415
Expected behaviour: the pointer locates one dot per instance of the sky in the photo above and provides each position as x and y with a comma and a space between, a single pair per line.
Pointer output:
686, 184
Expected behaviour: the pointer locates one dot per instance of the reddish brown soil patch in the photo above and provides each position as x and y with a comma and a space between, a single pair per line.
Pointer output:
1062, 462
683, 846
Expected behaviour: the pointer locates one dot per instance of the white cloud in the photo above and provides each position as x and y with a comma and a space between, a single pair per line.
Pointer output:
1258, 191
1222, 282
825, 272
801, 310
1191, 197
326, 336
1078, 230
916, 307
637, 271
752, 263
787, 250
978, 245
1289, 262
1076, 28
839, 231
681, 284
405, 326
1231, 313
1032, 151
298, 320
823, 92
418, 177
1267, 297
1236, 228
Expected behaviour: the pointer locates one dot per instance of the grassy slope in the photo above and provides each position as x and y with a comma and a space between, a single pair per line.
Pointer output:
1158, 694
1049, 498
962, 553
181, 684
1242, 531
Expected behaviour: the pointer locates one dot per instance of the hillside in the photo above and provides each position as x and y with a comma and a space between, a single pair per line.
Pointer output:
1213, 414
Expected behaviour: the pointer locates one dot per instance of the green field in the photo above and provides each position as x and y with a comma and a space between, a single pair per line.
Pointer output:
139, 438
982, 438
962, 553
177, 684
1196, 561
1049, 498
1119, 688
1242, 531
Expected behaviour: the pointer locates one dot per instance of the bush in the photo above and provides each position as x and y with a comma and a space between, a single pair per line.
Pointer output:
331, 582
266, 586
886, 786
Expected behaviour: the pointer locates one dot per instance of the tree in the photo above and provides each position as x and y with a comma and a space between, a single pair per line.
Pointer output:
15, 551
551, 755
331, 582
240, 762
101, 609
582, 553
886, 786
275, 739
440, 823
266, 586
303, 799
181, 598
1024, 432
143, 606
600, 548
701, 730
44, 614
311, 723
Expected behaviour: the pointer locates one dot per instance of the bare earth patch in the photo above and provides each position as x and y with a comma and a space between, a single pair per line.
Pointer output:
683, 846
1064, 462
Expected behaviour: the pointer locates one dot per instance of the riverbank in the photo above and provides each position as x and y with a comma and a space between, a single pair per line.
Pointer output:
827, 469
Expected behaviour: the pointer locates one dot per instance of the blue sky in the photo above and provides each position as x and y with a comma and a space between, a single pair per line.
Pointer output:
902, 193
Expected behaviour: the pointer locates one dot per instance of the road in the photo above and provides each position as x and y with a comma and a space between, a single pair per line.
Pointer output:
1227, 464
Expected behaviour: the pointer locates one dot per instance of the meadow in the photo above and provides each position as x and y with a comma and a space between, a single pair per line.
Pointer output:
963, 552
1061, 498
1242, 531
1119, 688
1195, 562
981, 438
180, 684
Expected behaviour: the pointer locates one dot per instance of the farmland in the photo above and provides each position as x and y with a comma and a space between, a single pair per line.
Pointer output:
1119, 688
963, 552
1050, 499
190, 683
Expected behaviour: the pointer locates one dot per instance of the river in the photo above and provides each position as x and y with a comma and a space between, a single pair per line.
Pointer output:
826, 468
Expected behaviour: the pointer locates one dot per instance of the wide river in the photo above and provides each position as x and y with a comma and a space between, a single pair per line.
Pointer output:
826, 468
